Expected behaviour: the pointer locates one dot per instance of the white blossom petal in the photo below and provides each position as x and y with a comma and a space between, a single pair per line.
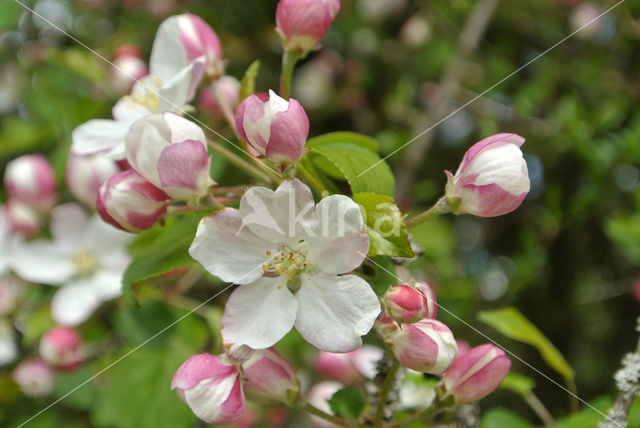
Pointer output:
334, 311
107, 244
105, 285
339, 242
168, 55
259, 314
280, 216
229, 250
74, 303
68, 224
101, 135
180, 89
207, 397
41, 262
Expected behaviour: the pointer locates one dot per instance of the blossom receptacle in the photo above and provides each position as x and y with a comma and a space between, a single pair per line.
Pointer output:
268, 375
34, 377
129, 202
191, 37
303, 23
274, 127
476, 373
492, 179
407, 304
60, 347
128, 67
210, 386
426, 346
85, 174
31, 180
171, 153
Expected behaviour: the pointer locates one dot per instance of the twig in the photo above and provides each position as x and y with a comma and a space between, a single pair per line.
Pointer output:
331, 418
384, 392
240, 162
438, 105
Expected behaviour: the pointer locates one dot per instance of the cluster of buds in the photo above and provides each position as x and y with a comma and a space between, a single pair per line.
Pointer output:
30, 184
409, 328
214, 386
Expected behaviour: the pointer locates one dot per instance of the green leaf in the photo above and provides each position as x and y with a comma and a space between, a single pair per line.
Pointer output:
67, 381
385, 226
159, 250
351, 157
138, 324
510, 322
587, 417
248, 82
520, 384
348, 403
625, 231
383, 274
503, 418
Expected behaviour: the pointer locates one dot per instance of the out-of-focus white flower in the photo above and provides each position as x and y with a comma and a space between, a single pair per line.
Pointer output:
289, 258
86, 257
172, 82
8, 346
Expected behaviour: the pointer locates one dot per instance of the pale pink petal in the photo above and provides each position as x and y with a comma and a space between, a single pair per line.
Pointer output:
100, 135
74, 303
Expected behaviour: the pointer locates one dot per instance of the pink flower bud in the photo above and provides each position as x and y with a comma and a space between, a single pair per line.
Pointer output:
318, 396
210, 386
492, 179
476, 373
60, 347
34, 377
85, 175
275, 127
303, 23
407, 304
31, 180
171, 153
463, 346
129, 202
350, 368
195, 38
23, 219
268, 375
128, 67
432, 305
221, 94
427, 346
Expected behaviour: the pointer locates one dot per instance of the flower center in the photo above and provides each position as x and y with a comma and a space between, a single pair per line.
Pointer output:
148, 97
84, 263
289, 262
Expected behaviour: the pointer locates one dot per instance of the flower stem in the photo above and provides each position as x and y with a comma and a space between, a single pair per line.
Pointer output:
331, 418
289, 59
315, 183
536, 405
440, 207
416, 417
384, 392
240, 162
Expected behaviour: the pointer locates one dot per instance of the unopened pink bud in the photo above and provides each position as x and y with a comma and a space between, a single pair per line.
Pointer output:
128, 67
476, 373
60, 347
129, 202
220, 95
303, 23
85, 174
23, 219
268, 375
492, 179
427, 346
351, 368
274, 127
171, 153
34, 377
31, 180
210, 386
406, 304
432, 305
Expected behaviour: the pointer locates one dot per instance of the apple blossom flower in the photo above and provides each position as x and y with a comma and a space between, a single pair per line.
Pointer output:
287, 258
60, 347
129, 202
427, 346
85, 174
172, 82
407, 304
303, 23
273, 126
31, 180
210, 386
128, 67
268, 375
23, 219
492, 179
349, 368
318, 396
86, 258
170, 152
189, 37
476, 373
34, 377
